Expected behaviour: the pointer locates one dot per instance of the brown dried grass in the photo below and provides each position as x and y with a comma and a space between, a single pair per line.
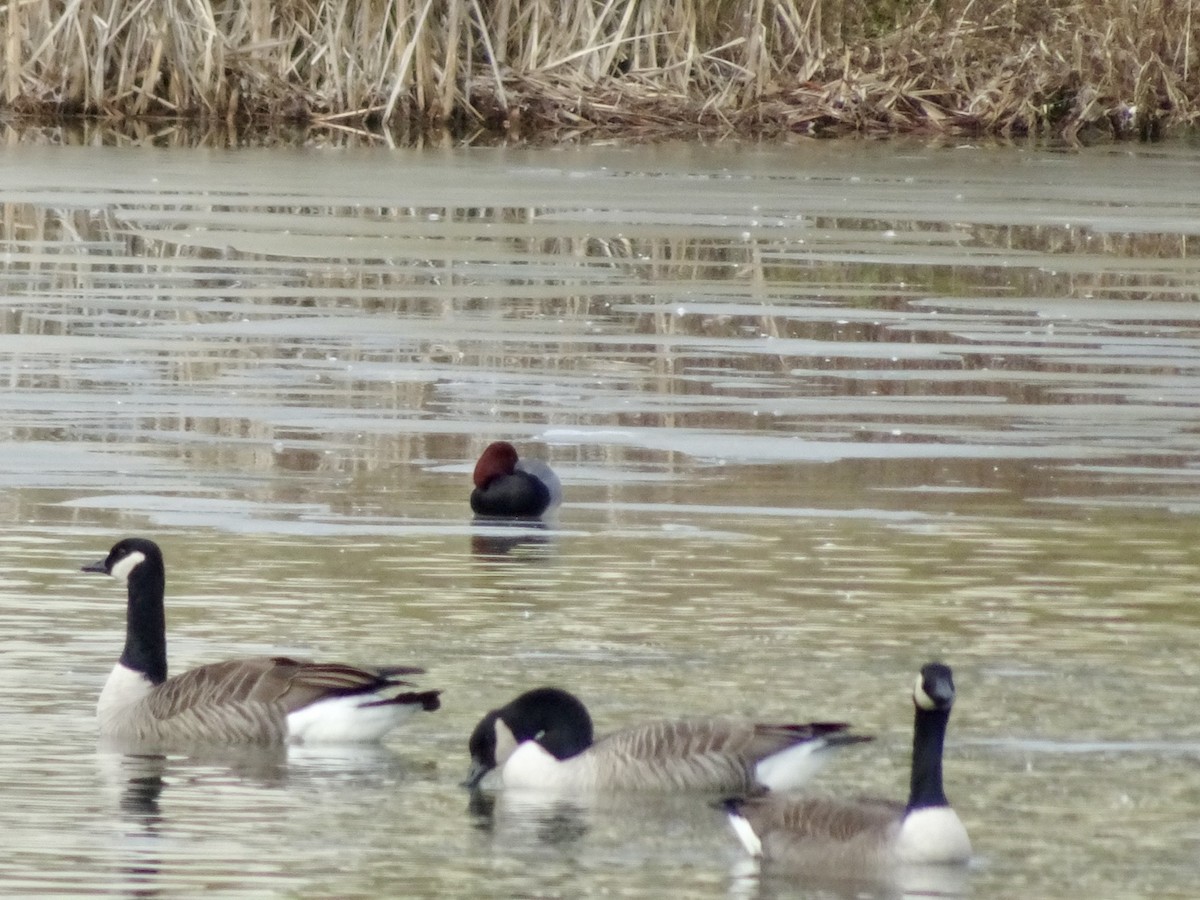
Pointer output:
542, 68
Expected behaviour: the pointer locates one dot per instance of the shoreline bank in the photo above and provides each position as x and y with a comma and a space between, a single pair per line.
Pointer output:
532, 70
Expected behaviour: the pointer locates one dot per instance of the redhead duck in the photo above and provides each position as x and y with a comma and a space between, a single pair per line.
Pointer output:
507, 486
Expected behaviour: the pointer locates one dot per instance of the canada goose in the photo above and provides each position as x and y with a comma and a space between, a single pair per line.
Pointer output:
832, 834
508, 486
258, 699
543, 739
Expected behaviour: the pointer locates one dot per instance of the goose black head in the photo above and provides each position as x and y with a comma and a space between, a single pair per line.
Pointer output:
934, 689
126, 556
555, 718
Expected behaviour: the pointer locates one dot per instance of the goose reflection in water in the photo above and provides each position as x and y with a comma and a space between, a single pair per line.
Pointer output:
752, 879
140, 776
139, 796
137, 770
529, 818
139, 780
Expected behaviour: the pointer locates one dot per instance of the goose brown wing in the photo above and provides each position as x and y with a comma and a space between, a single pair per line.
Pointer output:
698, 754
822, 819
280, 682
748, 741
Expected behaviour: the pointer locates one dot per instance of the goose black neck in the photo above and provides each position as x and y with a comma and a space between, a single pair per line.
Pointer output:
145, 621
929, 734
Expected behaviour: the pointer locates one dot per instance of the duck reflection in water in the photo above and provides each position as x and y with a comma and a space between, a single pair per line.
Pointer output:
517, 539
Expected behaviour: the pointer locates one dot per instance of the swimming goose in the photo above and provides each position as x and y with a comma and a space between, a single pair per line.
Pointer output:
258, 699
867, 834
508, 486
543, 739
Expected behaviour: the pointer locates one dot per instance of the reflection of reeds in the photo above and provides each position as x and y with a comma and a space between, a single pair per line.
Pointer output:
621, 66
661, 327
76, 252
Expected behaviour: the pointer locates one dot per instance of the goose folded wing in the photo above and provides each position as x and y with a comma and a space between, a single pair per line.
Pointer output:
823, 819
279, 682
700, 754
733, 738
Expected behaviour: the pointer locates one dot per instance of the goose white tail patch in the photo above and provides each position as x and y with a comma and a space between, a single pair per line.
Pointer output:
126, 564
346, 720
745, 833
793, 766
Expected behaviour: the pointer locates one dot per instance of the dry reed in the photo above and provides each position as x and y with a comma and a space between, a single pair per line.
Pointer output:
541, 68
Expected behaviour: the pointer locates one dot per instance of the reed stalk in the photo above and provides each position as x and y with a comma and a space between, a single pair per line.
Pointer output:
634, 68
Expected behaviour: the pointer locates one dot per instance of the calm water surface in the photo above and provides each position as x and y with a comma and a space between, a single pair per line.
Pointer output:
823, 413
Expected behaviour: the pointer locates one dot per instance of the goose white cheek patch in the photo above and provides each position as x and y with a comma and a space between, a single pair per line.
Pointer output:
790, 768
506, 742
126, 565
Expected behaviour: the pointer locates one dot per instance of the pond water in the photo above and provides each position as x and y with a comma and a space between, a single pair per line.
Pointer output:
823, 412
